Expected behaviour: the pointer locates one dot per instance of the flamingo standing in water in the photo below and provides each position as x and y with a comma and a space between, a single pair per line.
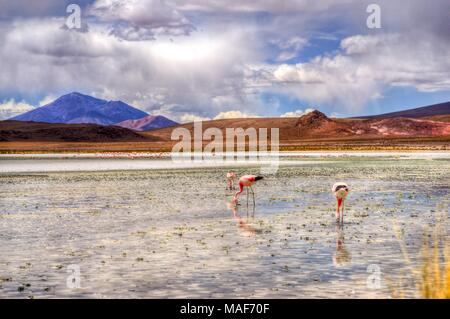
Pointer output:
246, 181
340, 191
231, 176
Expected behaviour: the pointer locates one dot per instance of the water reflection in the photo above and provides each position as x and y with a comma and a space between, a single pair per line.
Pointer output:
342, 255
143, 234
245, 224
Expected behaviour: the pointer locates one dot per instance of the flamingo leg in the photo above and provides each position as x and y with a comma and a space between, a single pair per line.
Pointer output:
337, 212
247, 196
247, 212
343, 202
253, 194
253, 212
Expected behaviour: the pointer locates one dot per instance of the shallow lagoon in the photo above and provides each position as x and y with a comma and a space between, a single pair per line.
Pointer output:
159, 232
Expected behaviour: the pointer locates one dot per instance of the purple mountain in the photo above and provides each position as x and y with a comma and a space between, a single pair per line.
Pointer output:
420, 112
76, 108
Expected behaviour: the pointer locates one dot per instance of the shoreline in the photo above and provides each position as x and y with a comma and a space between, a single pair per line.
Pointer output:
96, 162
388, 144
223, 157
165, 153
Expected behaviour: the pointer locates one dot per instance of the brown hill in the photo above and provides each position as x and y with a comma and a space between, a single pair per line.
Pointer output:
316, 125
438, 118
36, 131
313, 131
289, 126
409, 127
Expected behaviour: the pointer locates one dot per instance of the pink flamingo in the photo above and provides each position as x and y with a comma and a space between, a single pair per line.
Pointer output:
246, 181
340, 191
231, 176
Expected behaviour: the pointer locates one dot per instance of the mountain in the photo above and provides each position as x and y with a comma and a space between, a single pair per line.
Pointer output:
35, 131
316, 125
312, 131
420, 112
312, 124
147, 123
400, 126
75, 108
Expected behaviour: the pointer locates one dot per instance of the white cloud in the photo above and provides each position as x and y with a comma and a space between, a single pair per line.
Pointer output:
290, 48
297, 113
200, 74
365, 44
233, 115
335, 115
10, 108
221, 66
141, 19
274, 6
369, 65
47, 99
188, 118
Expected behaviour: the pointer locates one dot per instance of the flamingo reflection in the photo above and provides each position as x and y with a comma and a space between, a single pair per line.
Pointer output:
341, 256
243, 223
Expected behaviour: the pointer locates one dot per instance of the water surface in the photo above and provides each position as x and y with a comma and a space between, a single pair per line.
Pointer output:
156, 231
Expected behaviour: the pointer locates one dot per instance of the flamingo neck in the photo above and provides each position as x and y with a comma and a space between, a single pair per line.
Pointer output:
241, 189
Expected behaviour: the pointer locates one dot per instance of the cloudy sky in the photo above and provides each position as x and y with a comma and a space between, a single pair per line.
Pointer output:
202, 59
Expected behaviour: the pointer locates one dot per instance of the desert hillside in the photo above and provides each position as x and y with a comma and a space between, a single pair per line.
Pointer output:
316, 125
313, 131
35, 131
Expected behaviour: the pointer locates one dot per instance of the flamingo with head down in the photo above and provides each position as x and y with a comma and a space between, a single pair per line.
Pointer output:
340, 191
246, 181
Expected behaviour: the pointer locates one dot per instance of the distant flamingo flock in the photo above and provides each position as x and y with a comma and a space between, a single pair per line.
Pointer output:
340, 190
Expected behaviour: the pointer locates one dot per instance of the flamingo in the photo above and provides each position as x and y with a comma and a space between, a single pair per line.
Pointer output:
246, 181
340, 191
231, 176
